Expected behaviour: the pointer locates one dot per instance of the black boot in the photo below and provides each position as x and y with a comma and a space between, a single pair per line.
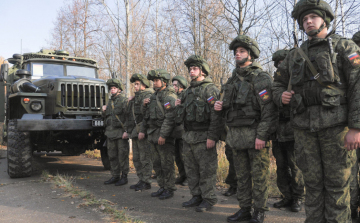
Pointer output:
204, 206
296, 205
112, 180
122, 181
180, 180
143, 186
283, 203
158, 193
135, 185
231, 191
242, 215
194, 201
258, 216
166, 194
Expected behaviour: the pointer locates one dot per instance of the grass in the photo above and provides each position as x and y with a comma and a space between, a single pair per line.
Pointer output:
107, 207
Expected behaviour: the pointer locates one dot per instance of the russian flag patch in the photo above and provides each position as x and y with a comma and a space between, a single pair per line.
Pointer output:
354, 59
211, 100
167, 105
264, 95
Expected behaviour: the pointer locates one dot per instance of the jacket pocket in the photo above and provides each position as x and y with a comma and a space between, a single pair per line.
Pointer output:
297, 71
325, 67
202, 111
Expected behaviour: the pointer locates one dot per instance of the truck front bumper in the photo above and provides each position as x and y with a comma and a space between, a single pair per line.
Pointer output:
58, 124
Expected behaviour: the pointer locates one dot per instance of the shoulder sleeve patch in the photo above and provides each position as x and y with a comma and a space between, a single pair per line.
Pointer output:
264, 95
211, 100
354, 59
167, 105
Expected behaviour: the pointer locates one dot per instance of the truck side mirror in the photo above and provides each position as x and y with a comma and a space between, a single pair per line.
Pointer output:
4, 72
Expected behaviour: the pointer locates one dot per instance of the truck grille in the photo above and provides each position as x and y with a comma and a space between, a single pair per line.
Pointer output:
84, 97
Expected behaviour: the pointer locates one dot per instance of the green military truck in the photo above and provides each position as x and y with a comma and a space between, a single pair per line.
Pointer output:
50, 102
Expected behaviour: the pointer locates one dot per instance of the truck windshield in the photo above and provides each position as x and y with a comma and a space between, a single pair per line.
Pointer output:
43, 69
80, 71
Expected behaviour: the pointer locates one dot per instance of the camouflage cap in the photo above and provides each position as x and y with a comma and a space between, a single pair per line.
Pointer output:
198, 61
182, 80
115, 82
356, 37
158, 74
320, 7
246, 42
140, 77
278, 56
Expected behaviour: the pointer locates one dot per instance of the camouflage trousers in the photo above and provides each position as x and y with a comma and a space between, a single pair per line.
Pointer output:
118, 152
231, 177
289, 177
201, 166
326, 167
142, 159
163, 164
179, 160
253, 174
354, 183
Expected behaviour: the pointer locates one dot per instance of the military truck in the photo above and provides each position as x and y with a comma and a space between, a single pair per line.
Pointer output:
51, 102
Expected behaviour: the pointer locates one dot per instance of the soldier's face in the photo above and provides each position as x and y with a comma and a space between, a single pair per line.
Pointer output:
114, 90
194, 71
241, 53
137, 86
157, 83
312, 22
176, 86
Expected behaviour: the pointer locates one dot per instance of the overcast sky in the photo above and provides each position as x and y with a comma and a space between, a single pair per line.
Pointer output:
28, 20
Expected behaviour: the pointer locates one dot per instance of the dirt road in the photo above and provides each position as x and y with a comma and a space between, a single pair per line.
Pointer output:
33, 200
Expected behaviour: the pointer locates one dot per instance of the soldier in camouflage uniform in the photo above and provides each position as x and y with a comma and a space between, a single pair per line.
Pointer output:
117, 142
325, 77
158, 124
289, 177
201, 124
180, 84
354, 184
251, 117
141, 148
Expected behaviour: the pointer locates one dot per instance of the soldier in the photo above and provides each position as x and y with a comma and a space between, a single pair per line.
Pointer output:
158, 124
324, 74
180, 84
141, 148
195, 110
117, 143
289, 177
354, 184
250, 115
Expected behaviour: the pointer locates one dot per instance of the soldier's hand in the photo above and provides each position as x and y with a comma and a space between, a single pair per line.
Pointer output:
210, 143
146, 101
178, 102
218, 105
125, 135
130, 98
141, 136
104, 107
259, 144
352, 139
286, 97
161, 141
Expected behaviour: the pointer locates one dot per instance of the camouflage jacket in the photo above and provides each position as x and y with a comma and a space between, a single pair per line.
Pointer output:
318, 106
248, 108
197, 113
115, 116
134, 110
159, 121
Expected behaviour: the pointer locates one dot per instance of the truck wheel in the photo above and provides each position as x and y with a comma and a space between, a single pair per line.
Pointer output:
19, 152
105, 158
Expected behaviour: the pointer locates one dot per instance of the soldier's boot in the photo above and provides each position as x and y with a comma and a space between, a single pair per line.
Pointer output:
166, 194
180, 180
204, 206
158, 193
122, 181
112, 180
185, 182
258, 216
143, 186
354, 213
242, 215
194, 201
296, 205
231, 191
135, 185
283, 203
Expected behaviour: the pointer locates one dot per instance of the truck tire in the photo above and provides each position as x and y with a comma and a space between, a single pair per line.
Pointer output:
19, 152
105, 158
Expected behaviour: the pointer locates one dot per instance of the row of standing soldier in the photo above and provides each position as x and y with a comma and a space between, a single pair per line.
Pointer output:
316, 87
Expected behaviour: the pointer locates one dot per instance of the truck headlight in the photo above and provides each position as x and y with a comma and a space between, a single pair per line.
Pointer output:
36, 106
